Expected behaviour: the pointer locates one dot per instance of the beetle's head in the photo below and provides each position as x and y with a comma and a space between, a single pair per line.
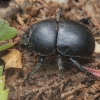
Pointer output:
25, 39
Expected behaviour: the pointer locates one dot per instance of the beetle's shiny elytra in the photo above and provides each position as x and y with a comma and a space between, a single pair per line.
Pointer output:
69, 38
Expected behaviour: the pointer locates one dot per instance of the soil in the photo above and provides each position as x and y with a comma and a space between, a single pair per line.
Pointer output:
46, 83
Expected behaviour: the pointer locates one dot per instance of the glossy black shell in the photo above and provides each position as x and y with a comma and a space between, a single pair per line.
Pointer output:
69, 38
43, 37
75, 39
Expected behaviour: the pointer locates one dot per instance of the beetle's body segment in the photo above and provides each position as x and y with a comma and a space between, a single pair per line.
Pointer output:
74, 39
43, 37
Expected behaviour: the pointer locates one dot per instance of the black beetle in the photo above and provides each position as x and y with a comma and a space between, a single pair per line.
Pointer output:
68, 38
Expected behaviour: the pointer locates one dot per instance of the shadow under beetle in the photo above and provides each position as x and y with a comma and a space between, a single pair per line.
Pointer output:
68, 38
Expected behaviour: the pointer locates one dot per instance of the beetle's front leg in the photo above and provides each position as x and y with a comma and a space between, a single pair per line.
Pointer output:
38, 65
60, 65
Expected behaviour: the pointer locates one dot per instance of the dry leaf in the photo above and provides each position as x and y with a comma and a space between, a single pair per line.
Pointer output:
12, 59
97, 48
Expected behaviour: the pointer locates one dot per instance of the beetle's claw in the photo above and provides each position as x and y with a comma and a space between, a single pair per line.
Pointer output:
91, 81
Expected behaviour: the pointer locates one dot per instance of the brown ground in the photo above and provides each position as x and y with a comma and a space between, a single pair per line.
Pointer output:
45, 83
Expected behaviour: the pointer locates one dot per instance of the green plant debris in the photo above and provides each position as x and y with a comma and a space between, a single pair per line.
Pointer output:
6, 46
1, 70
2, 82
6, 32
3, 93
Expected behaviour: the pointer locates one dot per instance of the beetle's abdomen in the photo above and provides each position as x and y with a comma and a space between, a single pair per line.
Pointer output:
74, 39
43, 37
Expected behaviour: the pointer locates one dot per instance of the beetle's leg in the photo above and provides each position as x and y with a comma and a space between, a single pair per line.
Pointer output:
89, 74
58, 14
60, 65
85, 21
38, 65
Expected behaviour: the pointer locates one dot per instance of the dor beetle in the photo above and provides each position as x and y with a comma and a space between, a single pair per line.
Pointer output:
68, 38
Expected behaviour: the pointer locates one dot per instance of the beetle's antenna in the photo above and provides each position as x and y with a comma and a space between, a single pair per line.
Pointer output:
38, 65
60, 65
89, 74
58, 14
